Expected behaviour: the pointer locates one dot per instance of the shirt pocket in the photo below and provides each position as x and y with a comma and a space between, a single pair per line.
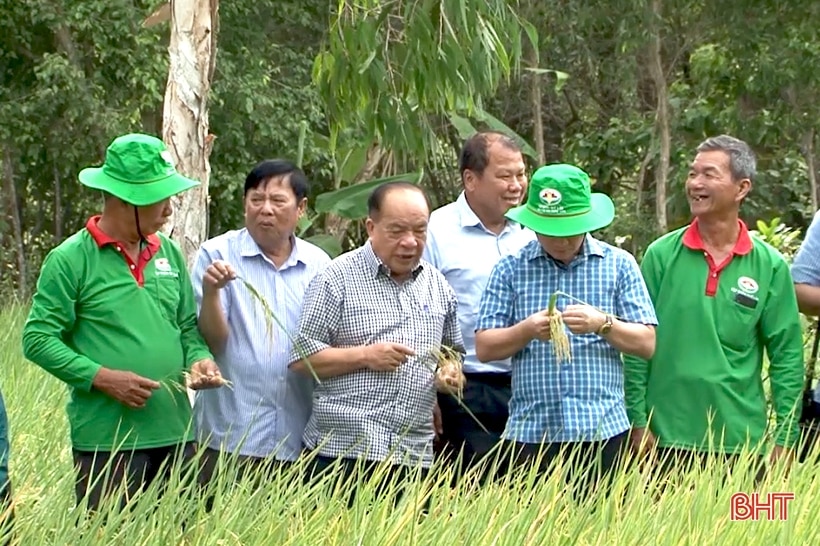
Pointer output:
737, 325
166, 296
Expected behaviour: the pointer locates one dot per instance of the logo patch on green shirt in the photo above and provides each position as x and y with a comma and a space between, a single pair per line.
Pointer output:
745, 292
164, 269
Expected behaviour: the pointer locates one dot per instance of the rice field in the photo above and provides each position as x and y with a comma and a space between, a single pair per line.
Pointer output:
281, 511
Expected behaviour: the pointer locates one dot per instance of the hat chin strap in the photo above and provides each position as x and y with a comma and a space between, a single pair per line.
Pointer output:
137, 220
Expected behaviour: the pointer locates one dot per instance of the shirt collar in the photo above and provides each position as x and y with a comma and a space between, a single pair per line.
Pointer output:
590, 247
103, 239
468, 217
248, 248
466, 214
693, 240
375, 265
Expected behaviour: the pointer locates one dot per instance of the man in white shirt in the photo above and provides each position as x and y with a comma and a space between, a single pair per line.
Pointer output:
260, 419
465, 239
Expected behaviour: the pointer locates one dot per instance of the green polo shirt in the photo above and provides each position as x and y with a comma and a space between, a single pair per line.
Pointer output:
95, 307
715, 321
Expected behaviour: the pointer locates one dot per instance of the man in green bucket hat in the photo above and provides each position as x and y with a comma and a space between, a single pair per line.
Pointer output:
562, 408
114, 317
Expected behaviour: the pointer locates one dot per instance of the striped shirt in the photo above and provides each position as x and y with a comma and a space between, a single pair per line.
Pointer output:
465, 252
806, 266
368, 414
580, 400
265, 412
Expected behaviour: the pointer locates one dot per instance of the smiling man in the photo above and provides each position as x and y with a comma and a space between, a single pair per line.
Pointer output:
722, 298
465, 240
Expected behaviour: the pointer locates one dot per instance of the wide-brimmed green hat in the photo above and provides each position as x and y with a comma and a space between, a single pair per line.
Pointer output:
139, 170
560, 203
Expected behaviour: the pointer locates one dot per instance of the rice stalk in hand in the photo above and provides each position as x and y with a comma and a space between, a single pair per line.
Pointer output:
270, 318
174, 386
449, 373
560, 340
450, 377
221, 380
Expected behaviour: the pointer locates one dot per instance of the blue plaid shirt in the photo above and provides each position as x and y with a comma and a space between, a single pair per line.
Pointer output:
580, 400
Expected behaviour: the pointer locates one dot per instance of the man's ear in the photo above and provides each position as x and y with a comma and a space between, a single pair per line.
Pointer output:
470, 180
370, 225
744, 187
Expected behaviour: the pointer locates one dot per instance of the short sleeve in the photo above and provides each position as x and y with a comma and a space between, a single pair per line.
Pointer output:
806, 266
633, 301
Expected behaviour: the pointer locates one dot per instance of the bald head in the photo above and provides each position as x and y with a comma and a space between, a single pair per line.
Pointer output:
397, 225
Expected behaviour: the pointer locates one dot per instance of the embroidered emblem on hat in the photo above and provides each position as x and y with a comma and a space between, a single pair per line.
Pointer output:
166, 155
550, 196
748, 285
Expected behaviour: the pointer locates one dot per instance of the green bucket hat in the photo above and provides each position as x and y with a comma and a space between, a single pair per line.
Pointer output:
560, 203
139, 170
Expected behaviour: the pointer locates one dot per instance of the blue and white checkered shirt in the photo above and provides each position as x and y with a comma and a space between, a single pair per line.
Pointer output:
581, 400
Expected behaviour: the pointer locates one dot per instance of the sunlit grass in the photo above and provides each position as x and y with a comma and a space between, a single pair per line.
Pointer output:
281, 510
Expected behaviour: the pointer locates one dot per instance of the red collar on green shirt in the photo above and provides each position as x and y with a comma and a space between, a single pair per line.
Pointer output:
693, 241
103, 239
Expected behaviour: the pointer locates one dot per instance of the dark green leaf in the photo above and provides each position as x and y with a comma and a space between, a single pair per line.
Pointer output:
328, 243
351, 201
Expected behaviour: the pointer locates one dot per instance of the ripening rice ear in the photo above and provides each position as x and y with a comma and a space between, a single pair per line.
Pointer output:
560, 340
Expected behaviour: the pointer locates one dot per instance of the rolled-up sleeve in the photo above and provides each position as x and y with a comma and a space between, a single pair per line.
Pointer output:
451, 336
320, 317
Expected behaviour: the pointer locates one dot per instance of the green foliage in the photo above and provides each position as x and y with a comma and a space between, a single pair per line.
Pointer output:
280, 509
466, 129
413, 79
263, 104
351, 201
784, 238
390, 67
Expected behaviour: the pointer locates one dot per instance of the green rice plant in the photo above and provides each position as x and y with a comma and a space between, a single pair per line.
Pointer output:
282, 508
449, 377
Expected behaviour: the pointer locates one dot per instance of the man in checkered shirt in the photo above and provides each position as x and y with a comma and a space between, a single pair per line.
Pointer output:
369, 324
575, 408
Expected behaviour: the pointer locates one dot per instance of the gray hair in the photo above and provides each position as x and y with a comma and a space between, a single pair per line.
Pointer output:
742, 160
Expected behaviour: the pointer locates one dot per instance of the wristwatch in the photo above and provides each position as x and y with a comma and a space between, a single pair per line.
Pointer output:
606, 326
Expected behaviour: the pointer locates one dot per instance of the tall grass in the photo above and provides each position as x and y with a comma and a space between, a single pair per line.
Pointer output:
282, 511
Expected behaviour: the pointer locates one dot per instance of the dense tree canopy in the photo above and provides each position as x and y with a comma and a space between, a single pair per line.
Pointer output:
367, 90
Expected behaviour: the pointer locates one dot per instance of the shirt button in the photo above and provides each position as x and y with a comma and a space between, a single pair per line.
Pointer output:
119, 249
133, 266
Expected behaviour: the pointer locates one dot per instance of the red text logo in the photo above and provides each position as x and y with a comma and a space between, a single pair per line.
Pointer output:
771, 507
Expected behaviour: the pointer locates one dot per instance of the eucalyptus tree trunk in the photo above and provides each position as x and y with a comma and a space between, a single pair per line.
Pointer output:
662, 116
194, 25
